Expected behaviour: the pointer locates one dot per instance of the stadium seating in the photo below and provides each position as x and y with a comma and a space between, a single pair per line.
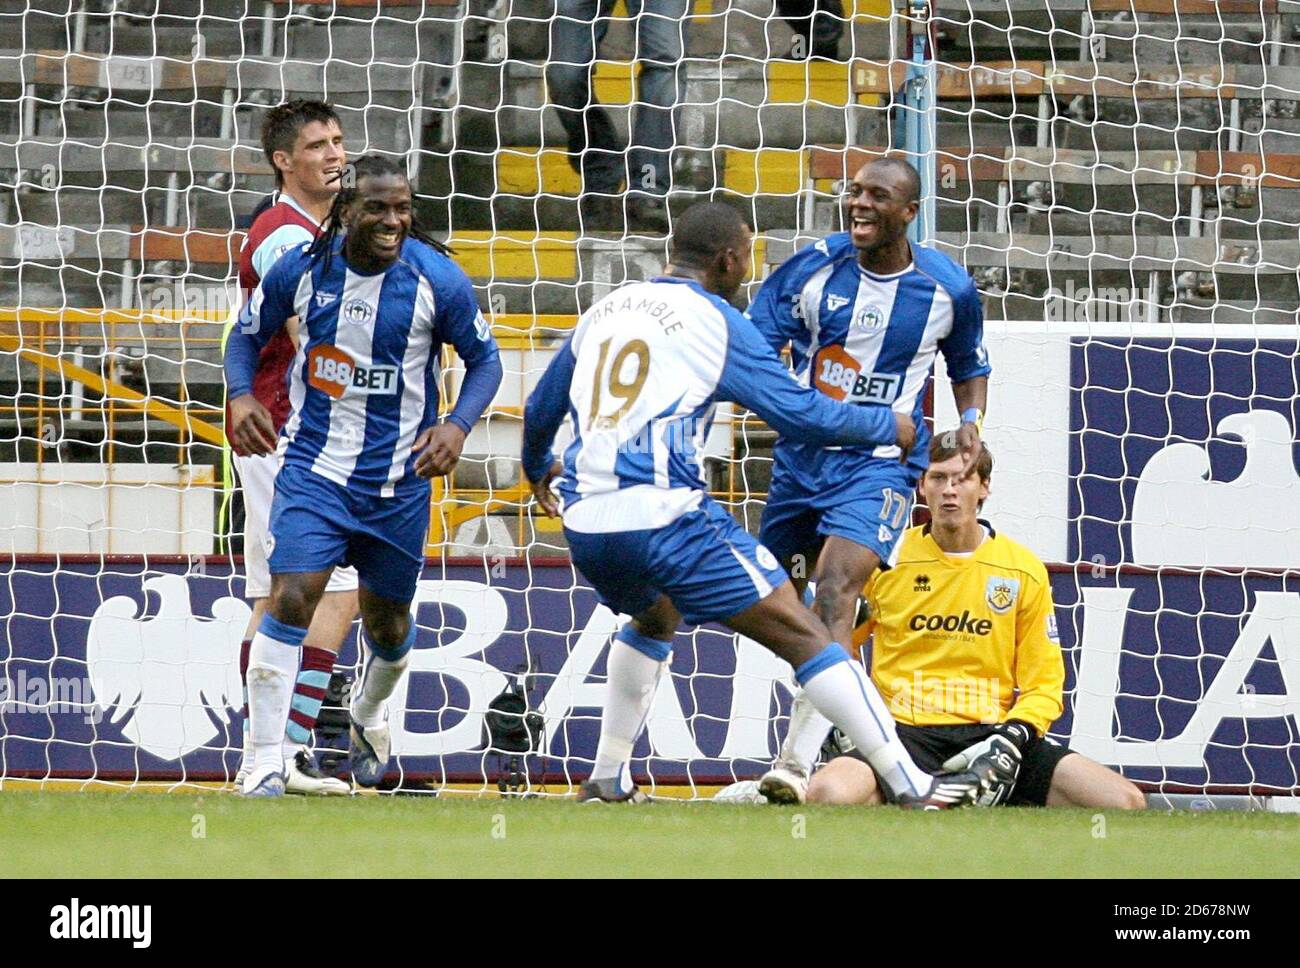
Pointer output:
1136, 144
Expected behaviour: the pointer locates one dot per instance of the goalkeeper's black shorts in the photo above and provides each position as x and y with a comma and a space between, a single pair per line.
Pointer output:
931, 745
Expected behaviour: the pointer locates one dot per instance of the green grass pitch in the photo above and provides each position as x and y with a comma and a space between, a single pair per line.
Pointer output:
62, 834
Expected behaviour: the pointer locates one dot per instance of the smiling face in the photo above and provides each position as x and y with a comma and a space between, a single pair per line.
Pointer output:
878, 206
954, 500
378, 221
312, 168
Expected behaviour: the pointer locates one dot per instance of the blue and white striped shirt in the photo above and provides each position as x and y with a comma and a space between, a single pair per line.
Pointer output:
364, 383
640, 379
866, 338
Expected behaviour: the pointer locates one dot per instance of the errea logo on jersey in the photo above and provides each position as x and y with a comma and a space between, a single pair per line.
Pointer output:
333, 371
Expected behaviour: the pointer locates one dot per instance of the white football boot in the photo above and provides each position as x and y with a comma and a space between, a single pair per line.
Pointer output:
305, 778
266, 782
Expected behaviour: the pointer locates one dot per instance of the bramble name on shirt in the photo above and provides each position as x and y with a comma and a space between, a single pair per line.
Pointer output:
657, 309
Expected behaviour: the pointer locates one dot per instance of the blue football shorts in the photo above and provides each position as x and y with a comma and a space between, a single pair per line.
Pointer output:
317, 524
707, 564
867, 500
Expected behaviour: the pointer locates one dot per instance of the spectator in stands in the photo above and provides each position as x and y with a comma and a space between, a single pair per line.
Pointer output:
596, 150
817, 25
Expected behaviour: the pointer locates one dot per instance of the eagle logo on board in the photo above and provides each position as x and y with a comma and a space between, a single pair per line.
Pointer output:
1001, 593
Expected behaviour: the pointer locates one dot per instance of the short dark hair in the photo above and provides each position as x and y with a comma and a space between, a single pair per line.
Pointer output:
705, 230
283, 122
944, 447
904, 167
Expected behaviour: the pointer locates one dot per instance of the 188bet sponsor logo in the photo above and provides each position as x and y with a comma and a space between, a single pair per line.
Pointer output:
838, 375
333, 371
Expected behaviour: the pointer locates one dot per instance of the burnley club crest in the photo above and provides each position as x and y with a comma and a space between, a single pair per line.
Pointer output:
1001, 593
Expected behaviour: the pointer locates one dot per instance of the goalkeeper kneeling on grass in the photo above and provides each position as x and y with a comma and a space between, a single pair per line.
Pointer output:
966, 654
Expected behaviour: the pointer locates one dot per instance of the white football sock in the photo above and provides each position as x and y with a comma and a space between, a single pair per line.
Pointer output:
805, 736
633, 677
381, 678
272, 669
841, 691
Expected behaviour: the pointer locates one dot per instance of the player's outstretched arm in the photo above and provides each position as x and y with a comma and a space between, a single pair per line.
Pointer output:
543, 414
463, 325
1039, 681
1039, 664
777, 308
753, 376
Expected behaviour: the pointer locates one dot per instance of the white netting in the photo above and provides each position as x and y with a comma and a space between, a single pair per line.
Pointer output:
1120, 177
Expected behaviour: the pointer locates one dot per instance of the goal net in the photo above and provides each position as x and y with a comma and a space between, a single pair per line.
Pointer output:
1121, 178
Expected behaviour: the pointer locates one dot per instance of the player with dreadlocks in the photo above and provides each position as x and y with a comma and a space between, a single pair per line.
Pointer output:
325, 244
376, 299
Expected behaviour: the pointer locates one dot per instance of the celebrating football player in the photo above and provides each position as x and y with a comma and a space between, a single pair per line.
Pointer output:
864, 312
376, 298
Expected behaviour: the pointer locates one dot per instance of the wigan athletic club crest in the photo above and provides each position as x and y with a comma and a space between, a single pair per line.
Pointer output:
358, 311
1001, 593
871, 317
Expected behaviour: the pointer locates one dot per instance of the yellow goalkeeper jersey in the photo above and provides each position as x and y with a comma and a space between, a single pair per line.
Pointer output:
965, 639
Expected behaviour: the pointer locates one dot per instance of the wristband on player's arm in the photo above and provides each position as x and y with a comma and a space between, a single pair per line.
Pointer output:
974, 415
1017, 731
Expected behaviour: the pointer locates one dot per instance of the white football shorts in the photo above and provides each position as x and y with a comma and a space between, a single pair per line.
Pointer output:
257, 478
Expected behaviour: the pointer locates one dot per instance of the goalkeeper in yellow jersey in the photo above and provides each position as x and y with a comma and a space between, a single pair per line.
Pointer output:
965, 653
